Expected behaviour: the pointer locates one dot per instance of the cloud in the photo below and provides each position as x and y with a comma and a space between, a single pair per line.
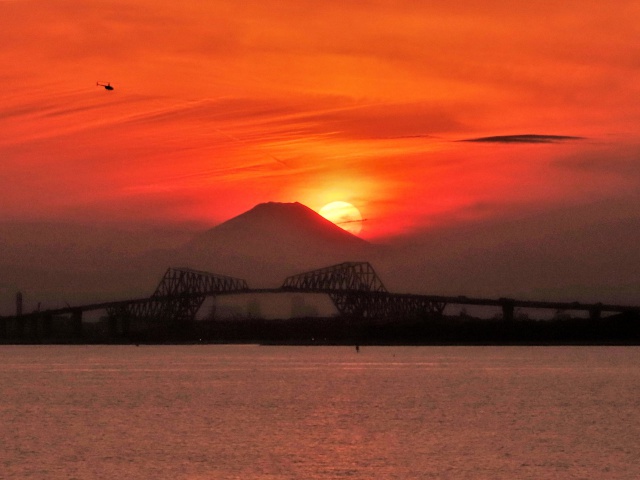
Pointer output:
526, 138
276, 119
387, 120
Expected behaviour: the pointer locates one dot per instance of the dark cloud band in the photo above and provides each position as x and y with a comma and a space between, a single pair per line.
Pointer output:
529, 138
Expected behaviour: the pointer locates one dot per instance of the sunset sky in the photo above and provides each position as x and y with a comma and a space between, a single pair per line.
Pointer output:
420, 113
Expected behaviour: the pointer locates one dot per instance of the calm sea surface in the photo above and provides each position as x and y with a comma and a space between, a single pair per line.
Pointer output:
251, 412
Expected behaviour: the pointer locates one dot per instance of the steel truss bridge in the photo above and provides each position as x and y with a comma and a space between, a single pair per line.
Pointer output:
354, 287
179, 296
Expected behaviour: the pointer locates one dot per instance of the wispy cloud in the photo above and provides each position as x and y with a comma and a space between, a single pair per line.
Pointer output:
526, 138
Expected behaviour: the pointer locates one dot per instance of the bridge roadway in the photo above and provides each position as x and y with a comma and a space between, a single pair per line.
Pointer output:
507, 305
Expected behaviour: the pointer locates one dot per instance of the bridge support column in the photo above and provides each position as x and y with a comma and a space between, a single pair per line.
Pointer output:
595, 313
3, 327
119, 323
507, 310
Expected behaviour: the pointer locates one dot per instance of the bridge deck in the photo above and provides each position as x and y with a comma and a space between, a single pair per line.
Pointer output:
441, 299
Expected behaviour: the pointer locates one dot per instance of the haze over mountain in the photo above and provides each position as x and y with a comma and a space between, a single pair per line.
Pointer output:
54, 264
571, 254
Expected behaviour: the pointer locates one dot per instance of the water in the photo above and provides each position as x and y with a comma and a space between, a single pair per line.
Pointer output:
250, 412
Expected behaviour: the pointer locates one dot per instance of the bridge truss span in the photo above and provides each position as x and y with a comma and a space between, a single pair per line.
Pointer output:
177, 281
179, 295
354, 288
386, 305
347, 276
357, 291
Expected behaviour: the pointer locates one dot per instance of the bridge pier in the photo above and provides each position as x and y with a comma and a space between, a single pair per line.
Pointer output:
595, 312
508, 308
3, 327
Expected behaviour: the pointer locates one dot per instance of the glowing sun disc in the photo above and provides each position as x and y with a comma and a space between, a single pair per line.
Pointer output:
344, 215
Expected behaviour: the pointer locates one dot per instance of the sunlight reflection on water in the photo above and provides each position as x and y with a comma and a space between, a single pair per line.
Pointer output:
250, 412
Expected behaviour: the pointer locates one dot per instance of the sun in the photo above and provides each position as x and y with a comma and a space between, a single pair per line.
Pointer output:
343, 214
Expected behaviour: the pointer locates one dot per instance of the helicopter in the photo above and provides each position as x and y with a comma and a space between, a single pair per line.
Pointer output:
106, 86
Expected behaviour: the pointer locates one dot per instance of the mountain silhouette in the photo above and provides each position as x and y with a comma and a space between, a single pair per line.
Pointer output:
271, 241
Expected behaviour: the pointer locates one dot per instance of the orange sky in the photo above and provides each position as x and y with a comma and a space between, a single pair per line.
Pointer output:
221, 105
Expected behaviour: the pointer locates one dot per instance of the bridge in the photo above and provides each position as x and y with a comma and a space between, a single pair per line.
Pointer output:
354, 288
